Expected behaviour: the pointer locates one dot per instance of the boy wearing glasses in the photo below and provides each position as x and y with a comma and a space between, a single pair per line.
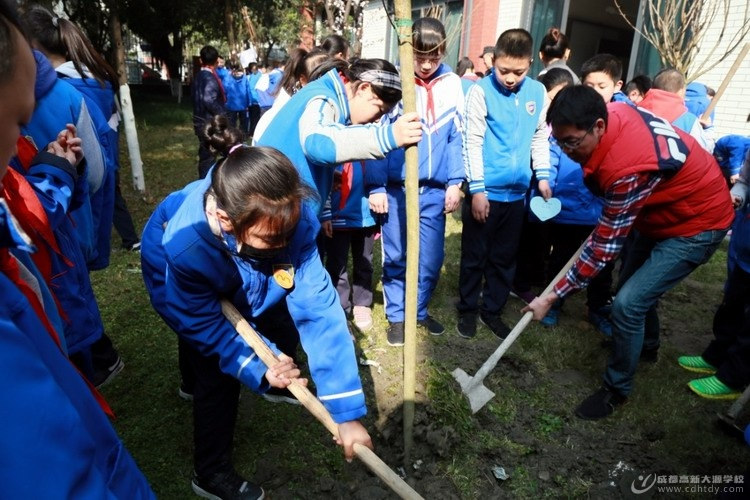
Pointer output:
440, 105
657, 180
504, 131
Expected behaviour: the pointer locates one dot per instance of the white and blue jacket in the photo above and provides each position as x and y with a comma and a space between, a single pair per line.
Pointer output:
503, 131
314, 131
201, 268
440, 105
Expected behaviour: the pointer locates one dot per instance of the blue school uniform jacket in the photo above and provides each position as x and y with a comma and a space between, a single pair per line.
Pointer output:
238, 92
350, 207
730, 152
200, 268
56, 440
100, 101
579, 205
440, 105
314, 131
56, 184
503, 131
57, 104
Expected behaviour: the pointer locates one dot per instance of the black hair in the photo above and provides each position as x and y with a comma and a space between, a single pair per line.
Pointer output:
219, 136
251, 67
56, 35
556, 76
293, 70
604, 63
578, 105
335, 44
315, 58
670, 80
642, 83
428, 36
209, 55
464, 65
515, 43
554, 44
388, 95
8, 21
259, 185
332, 63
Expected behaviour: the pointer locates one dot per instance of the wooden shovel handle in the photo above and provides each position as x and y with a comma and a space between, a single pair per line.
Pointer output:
314, 406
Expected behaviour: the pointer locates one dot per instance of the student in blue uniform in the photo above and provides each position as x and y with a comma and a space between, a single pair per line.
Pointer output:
332, 117
440, 104
353, 228
244, 233
56, 440
603, 73
504, 131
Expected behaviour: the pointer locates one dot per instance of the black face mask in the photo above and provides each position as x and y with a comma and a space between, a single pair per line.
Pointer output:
251, 252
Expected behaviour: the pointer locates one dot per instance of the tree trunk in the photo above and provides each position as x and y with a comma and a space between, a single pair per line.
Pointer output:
126, 104
229, 20
406, 58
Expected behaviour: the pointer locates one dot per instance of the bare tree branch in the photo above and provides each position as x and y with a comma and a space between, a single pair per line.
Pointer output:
678, 30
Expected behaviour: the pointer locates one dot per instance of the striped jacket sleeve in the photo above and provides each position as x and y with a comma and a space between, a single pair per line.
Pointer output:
475, 126
327, 142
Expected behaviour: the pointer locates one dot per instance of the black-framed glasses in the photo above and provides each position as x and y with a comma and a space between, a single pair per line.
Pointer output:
573, 144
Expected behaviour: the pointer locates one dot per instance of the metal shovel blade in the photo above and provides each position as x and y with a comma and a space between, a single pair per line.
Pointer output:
477, 394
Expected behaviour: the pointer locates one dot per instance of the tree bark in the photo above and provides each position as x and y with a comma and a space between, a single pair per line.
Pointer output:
406, 58
126, 104
229, 20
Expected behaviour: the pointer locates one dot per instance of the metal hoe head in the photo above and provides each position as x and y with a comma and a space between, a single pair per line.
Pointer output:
477, 393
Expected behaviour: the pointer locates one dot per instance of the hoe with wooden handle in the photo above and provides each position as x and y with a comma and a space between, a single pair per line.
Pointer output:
314, 406
473, 387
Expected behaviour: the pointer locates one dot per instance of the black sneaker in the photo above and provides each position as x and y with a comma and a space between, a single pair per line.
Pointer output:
599, 405
650, 355
431, 325
467, 325
226, 486
105, 376
184, 392
495, 324
276, 395
395, 334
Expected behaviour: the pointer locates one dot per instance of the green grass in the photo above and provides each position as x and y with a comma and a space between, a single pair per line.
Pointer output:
528, 427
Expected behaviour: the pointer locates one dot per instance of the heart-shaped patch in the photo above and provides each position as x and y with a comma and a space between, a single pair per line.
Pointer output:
545, 210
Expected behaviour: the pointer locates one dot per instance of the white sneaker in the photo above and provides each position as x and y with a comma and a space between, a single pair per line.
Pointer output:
362, 318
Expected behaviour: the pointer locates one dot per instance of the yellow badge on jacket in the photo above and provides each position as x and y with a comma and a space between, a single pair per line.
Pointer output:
283, 274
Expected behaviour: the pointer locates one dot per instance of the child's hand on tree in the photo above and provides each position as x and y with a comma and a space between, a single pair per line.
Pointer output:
407, 130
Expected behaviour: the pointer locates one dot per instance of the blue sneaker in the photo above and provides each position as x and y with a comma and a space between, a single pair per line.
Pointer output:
552, 317
600, 319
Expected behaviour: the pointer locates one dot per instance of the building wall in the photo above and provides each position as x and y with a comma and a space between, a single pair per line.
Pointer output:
733, 108
483, 16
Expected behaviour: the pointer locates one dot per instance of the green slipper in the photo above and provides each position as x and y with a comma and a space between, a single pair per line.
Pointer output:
696, 364
712, 388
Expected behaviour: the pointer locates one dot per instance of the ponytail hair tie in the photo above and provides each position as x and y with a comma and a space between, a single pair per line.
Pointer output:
231, 150
55, 22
